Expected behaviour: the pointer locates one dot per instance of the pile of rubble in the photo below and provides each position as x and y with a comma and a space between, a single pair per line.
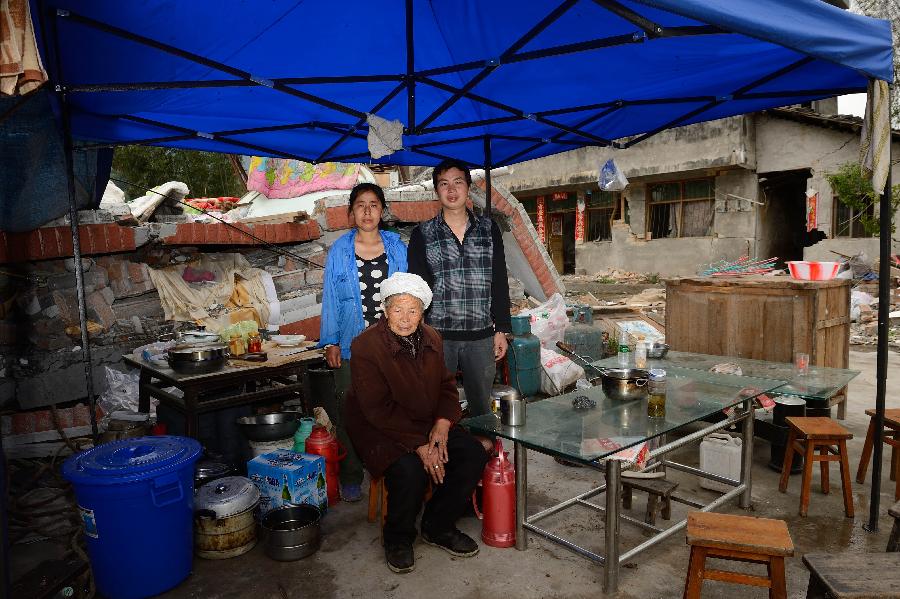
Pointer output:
613, 275
864, 314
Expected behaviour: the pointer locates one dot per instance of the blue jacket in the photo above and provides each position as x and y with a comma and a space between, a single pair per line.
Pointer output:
342, 318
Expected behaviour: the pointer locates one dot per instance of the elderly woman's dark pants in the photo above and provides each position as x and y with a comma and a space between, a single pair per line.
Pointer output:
406, 481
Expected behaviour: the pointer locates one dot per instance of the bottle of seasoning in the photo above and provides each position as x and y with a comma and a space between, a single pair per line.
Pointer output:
656, 402
254, 343
236, 345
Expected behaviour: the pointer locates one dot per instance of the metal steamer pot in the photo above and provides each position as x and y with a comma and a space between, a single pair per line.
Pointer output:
624, 384
223, 515
198, 359
292, 532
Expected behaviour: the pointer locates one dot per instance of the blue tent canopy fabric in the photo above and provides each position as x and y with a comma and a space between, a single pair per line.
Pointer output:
297, 79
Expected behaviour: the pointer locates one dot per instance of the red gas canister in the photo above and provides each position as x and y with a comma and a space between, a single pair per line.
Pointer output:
498, 528
323, 443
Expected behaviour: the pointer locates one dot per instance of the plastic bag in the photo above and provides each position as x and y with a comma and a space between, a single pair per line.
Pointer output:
611, 178
557, 372
549, 321
121, 392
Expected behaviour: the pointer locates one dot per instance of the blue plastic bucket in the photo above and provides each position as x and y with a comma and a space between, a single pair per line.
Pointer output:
136, 503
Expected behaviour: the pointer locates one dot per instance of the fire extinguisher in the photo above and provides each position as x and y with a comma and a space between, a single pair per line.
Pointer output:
323, 443
498, 528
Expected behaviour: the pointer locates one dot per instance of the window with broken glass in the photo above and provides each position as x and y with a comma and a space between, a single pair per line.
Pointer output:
848, 220
602, 207
681, 208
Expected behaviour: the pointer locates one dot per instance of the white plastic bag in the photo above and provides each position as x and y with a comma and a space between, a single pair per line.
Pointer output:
549, 321
121, 392
611, 178
557, 372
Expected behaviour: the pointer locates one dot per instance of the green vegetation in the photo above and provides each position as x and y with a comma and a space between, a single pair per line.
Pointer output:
206, 174
854, 189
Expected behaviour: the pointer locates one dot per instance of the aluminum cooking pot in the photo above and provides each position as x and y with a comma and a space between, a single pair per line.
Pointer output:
292, 532
198, 359
624, 384
224, 522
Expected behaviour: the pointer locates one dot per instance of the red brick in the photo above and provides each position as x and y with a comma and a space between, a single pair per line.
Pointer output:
136, 271
309, 327
22, 423
337, 218
104, 315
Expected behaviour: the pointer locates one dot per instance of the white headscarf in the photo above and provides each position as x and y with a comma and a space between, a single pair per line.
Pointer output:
405, 282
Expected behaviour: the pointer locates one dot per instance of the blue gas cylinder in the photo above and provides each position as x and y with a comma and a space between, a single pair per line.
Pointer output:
524, 357
585, 339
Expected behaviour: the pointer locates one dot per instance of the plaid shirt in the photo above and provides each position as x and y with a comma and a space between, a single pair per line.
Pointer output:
462, 275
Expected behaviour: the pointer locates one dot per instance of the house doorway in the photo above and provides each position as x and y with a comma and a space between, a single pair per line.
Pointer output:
782, 220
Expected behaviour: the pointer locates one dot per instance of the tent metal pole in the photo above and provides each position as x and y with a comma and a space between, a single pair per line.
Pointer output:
884, 306
410, 70
487, 175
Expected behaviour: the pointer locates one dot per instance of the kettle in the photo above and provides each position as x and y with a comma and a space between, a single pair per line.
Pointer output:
508, 405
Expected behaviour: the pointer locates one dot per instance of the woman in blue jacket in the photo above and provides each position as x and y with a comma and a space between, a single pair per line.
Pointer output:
351, 301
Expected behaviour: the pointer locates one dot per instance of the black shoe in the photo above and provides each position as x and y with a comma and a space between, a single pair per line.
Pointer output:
400, 558
453, 542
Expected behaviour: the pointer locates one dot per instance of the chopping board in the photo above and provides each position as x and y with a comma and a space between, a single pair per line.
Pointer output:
279, 356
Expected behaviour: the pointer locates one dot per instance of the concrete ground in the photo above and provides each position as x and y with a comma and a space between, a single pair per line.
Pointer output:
351, 562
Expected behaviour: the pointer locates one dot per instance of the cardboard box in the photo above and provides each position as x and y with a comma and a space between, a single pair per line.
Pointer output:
284, 477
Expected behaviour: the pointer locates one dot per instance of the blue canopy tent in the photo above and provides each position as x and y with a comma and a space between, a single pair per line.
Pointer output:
490, 83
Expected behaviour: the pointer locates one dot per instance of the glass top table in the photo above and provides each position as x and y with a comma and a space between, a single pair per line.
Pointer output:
553, 426
819, 383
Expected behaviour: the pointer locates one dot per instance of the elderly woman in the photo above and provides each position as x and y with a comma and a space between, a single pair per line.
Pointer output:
401, 414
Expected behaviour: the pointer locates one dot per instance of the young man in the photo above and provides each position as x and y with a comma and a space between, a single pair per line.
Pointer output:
461, 257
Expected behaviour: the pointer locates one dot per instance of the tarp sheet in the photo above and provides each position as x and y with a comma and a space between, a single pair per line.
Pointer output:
296, 79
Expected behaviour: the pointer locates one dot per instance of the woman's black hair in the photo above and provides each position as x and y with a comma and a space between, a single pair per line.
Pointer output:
362, 188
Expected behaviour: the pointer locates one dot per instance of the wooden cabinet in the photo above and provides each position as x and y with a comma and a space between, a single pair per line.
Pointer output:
763, 318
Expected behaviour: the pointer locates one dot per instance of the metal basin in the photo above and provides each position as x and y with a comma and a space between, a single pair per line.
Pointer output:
292, 532
657, 351
624, 384
269, 427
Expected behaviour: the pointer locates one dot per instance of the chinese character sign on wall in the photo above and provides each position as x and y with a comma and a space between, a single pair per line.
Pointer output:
579, 221
812, 208
541, 231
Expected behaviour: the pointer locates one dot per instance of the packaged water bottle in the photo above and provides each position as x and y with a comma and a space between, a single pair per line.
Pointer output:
623, 349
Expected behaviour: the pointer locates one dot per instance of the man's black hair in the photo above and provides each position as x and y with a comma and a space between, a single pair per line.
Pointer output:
362, 188
446, 165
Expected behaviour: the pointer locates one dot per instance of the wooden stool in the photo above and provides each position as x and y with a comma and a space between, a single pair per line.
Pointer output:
808, 434
739, 538
658, 491
894, 540
891, 436
853, 575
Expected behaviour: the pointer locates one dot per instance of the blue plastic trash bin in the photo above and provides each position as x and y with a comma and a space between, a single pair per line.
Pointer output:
136, 502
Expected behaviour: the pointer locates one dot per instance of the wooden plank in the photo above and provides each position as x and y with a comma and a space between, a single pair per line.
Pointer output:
856, 575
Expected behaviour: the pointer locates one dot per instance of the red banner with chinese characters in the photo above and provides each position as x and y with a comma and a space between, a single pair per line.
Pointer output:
560, 195
579, 221
812, 207
542, 233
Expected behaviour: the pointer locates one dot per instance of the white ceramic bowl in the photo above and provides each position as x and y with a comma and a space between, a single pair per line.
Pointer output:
813, 271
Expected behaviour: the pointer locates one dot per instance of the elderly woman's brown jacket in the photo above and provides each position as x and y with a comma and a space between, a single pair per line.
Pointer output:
395, 399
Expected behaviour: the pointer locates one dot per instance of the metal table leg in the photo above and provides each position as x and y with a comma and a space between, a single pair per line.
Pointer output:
747, 454
611, 565
521, 456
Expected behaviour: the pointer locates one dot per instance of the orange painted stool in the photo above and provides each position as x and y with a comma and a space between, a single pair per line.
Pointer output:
891, 436
807, 436
737, 538
378, 499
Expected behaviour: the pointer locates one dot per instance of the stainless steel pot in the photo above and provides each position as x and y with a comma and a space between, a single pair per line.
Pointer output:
198, 359
225, 526
269, 427
624, 384
292, 532
507, 405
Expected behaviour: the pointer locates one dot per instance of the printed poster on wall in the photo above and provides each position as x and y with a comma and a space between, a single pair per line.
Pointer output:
812, 209
541, 230
579, 222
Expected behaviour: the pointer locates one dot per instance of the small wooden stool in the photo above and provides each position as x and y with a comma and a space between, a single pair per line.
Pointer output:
808, 434
853, 575
894, 540
658, 491
891, 436
739, 538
